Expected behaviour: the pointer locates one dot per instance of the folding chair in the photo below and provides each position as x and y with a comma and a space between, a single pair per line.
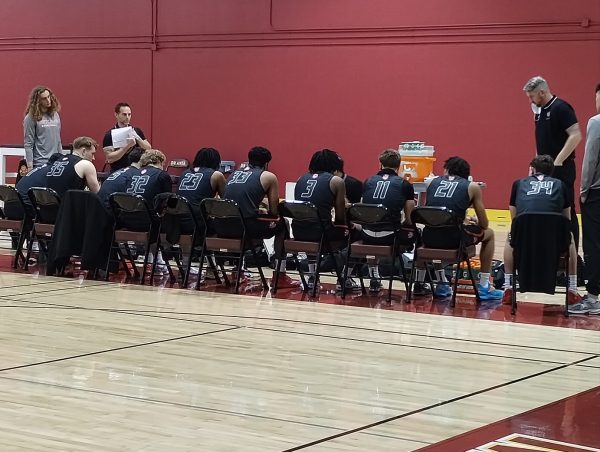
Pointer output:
183, 227
134, 222
442, 220
46, 203
535, 238
225, 209
302, 211
180, 165
15, 218
377, 217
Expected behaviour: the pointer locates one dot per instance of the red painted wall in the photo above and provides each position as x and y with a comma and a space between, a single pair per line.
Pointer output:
353, 75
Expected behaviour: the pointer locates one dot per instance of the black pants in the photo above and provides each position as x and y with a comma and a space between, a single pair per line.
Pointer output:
566, 173
590, 219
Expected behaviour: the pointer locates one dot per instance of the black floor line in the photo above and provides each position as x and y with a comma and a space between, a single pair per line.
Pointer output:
83, 355
372, 341
435, 405
422, 347
49, 291
128, 312
349, 327
176, 404
166, 316
335, 325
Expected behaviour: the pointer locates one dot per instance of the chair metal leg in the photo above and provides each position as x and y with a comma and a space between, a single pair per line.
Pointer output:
239, 271
513, 300
317, 271
453, 302
392, 272
263, 280
566, 313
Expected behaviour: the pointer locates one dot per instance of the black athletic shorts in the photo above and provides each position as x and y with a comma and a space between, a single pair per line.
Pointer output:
256, 228
449, 238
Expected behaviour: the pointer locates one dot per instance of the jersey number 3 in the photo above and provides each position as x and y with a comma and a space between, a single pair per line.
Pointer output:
310, 188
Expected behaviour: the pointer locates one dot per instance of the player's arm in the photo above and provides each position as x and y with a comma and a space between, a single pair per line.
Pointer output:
218, 183
269, 182
90, 176
338, 188
477, 201
572, 141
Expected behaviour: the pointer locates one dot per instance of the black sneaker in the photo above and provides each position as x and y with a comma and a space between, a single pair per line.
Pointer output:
375, 285
421, 289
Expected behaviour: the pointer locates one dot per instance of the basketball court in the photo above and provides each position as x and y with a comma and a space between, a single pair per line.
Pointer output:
93, 365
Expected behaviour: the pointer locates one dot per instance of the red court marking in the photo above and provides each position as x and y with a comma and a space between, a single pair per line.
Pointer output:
574, 420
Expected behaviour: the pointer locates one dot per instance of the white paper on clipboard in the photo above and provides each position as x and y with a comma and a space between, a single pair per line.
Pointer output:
120, 135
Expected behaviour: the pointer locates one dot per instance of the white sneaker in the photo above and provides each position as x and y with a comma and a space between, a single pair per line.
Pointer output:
585, 307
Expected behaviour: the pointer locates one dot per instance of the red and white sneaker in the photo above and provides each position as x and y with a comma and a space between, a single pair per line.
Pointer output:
285, 282
507, 296
574, 297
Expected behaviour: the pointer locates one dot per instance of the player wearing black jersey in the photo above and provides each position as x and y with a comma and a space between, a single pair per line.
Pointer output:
398, 195
75, 171
541, 193
249, 187
203, 180
151, 179
454, 191
119, 181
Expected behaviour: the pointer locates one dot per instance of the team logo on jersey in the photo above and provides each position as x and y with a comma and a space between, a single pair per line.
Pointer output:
314, 176
386, 176
143, 171
548, 115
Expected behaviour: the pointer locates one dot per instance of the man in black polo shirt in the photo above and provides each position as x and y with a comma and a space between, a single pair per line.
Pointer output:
557, 134
117, 157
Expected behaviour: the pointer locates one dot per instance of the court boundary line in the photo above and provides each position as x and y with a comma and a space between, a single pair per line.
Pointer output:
197, 407
429, 407
98, 352
153, 314
369, 341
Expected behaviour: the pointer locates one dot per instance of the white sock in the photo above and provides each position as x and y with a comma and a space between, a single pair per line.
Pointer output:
420, 275
441, 275
484, 279
508, 277
312, 268
282, 263
374, 271
573, 283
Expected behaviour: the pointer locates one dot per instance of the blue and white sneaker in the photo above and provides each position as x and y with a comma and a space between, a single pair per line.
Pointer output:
442, 291
489, 293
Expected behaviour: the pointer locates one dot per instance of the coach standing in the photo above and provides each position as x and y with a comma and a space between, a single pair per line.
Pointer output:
557, 134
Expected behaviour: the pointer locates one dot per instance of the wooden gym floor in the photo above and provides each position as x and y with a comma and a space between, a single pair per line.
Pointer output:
94, 366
